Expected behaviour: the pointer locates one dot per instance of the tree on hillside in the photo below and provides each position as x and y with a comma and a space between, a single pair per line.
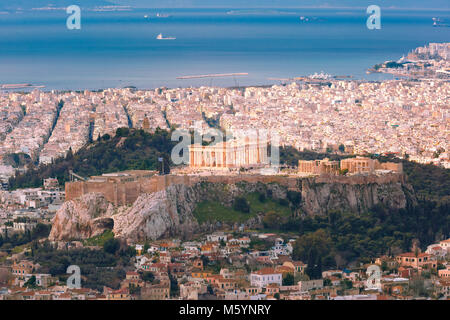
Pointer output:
122, 132
288, 279
273, 220
31, 283
69, 155
174, 288
241, 204
148, 276
111, 246
294, 198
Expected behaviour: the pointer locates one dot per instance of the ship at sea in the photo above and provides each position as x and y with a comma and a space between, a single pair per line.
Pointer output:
160, 37
162, 15
438, 23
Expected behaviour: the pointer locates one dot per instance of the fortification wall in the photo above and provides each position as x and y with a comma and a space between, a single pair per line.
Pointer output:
397, 167
362, 179
127, 193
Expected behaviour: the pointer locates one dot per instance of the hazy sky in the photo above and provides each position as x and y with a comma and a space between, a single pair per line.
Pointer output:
413, 4
442, 4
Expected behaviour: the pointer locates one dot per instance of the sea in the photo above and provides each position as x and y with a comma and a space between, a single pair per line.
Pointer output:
120, 49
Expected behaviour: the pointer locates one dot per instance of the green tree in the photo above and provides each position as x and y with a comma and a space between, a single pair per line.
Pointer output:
318, 241
122, 132
273, 220
262, 197
148, 276
346, 284
174, 289
111, 246
69, 155
294, 197
205, 260
314, 263
288, 279
31, 283
210, 289
241, 204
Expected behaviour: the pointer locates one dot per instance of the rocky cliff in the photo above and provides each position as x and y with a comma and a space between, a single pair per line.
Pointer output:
84, 218
323, 197
170, 212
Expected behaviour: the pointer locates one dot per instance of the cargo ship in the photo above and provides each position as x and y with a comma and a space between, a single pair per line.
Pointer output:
162, 15
438, 23
160, 37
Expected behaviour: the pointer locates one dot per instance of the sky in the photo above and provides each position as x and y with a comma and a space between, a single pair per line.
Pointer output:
441, 4
412, 4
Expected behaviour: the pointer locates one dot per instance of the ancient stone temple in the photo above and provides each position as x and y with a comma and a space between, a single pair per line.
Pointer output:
358, 164
350, 165
242, 153
318, 166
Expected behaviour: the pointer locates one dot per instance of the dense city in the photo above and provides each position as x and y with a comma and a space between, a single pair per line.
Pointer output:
257, 253
241, 265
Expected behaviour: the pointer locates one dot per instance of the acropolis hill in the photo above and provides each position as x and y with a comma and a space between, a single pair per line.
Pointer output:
223, 162
140, 205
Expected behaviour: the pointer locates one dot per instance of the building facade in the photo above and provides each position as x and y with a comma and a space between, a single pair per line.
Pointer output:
419, 260
265, 276
318, 166
350, 165
242, 153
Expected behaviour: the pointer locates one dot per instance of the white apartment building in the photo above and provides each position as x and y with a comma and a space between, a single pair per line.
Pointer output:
265, 276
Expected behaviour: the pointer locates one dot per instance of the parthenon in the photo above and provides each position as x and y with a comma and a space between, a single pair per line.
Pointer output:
242, 153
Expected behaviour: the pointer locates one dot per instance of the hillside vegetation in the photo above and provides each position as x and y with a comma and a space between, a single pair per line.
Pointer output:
256, 203
128, 150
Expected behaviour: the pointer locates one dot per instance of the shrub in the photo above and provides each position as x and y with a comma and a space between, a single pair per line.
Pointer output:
148, 276
111, 246
262, 197
294, 197
241, 204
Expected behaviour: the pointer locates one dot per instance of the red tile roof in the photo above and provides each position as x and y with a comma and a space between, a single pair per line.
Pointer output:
264, 271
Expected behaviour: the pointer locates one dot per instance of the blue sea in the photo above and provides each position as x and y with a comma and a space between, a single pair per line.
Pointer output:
118, 49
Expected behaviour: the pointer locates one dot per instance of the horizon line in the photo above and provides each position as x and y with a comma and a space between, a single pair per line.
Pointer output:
242, 8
